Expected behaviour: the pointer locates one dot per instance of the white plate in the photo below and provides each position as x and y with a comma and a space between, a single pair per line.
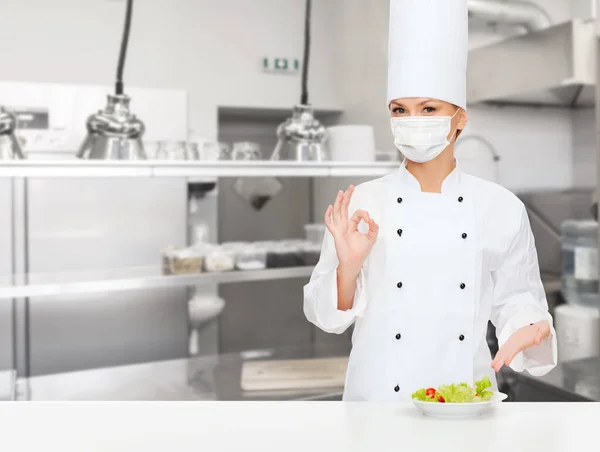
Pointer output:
459, 410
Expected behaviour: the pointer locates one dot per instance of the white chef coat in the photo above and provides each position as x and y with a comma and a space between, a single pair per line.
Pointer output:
442, 266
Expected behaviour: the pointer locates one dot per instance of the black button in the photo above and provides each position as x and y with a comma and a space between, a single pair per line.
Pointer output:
461, 199
464, 235
461, 337
399, 285
463, 285
399, 200
397, 388
398, 336
399, 231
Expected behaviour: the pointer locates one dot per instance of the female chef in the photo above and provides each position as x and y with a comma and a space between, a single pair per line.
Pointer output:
421, 259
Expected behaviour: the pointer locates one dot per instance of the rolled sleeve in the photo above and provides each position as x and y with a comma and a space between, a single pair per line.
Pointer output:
520, 299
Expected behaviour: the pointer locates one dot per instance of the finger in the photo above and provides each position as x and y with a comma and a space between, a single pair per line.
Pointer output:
497, 362
328, 219
344, 209
373, 230
510, 358
329, 222
337, 207
356, 219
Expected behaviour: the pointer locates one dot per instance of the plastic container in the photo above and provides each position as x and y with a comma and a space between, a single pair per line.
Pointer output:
251, 258
178, 261
315, 233
245, 150
219, 259
284, 255
580, 262
311, 253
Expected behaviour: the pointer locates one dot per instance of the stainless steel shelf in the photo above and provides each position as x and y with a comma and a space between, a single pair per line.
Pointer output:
70, 283
170, 168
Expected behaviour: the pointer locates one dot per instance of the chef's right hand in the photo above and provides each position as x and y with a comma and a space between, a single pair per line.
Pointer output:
352, 247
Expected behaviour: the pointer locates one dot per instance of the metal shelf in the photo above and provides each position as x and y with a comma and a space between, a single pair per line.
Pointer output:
170, 168
69, 283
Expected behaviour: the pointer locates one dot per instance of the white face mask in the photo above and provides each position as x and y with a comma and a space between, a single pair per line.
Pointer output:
422, 138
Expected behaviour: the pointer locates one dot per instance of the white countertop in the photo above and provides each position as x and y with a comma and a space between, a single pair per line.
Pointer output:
292, 426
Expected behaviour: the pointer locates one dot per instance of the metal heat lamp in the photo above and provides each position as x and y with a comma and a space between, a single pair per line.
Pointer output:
302, 137
114, 133
10, 149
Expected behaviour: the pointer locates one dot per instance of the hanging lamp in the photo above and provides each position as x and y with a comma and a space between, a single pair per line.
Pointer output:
114, 133
302, 137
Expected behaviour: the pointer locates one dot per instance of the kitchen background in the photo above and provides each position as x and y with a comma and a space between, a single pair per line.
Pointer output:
196, 66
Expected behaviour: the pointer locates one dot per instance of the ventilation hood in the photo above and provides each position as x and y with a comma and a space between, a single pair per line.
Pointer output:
550, 67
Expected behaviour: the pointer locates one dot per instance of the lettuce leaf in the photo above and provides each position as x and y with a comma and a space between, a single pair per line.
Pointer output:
483, 384
421, 395
459, 393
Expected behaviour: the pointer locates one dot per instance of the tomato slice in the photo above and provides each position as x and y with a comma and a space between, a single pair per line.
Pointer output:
430, 392
441, 399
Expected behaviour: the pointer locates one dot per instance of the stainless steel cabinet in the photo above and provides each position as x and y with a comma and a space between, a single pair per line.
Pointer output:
75, 225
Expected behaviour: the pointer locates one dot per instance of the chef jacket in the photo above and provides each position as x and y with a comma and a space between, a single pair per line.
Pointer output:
442, 266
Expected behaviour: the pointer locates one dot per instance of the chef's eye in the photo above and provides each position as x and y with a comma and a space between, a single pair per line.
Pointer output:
429, 109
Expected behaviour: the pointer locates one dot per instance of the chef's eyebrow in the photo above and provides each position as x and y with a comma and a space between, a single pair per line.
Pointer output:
395, 103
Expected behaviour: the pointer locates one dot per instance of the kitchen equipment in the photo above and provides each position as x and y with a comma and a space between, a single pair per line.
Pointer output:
178, 261
315, 233
215, 151
219, 259
311, 253
285, 254
479, 160
459, 410
9, 144
580, 262
562, 73
302, 137
200, 233
172, 150
120, 222
192, 151
257, 191
245, 150
354, 143
577, 332
151, 148
114, 133
294, 374
203, 309
251, 257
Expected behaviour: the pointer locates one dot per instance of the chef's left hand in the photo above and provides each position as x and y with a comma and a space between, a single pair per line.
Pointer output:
522, 339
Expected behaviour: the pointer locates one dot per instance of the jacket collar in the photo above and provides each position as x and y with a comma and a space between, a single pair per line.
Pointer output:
450, 185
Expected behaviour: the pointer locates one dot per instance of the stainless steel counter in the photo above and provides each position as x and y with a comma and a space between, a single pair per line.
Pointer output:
198, 378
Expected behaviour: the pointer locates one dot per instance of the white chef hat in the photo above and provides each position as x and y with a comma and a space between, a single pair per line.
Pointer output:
427, 51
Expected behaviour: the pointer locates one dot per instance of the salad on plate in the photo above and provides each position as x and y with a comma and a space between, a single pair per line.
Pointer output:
457, 393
